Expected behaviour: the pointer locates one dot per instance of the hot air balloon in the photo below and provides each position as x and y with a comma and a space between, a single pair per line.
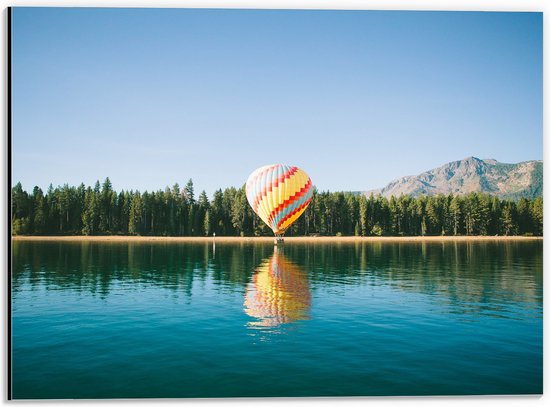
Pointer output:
279, 194
278, 293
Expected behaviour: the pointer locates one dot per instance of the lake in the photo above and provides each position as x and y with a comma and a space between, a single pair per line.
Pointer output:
152, 320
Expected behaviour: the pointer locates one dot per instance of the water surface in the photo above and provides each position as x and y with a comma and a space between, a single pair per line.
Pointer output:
110, 320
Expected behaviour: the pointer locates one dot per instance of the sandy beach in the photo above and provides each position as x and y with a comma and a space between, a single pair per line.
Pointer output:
267, 239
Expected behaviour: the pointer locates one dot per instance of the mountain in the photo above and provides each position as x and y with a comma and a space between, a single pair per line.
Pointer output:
507, 181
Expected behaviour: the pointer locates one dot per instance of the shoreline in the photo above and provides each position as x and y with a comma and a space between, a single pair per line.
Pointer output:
267, 239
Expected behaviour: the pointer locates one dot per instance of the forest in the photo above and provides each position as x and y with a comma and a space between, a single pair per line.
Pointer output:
177, 211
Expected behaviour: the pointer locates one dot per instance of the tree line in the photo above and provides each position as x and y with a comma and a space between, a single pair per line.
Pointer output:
69, 210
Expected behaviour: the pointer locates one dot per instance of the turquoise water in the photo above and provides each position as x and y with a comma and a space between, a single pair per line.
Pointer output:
110, 320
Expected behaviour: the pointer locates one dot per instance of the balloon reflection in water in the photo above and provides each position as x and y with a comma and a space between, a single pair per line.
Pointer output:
278, 294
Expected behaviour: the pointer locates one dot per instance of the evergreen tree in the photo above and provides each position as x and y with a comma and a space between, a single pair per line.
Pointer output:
238, 211
495, 227
217, 213
78, 209
90, 216
189, 192
207, 222
40, 212
524, 216
471, 213
537, 214
136, 214
203, 207
509, 219
363, 225
433, 216
484, 214
20, 210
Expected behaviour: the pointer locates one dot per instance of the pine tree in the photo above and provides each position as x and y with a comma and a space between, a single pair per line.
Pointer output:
105, 206
20, 210
207, 222
90, 216
433, 216
495, 227
64, 208
78, 208
524, 216
537, 214
136, 214
189, 192
471, 213
363, 215
509, 219
203, 207
39, 203
455, 210
395, 216
484, 214
238, 211
216, 213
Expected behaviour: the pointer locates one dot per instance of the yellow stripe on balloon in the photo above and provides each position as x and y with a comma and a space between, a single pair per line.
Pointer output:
291, 220
283, 191
278, 194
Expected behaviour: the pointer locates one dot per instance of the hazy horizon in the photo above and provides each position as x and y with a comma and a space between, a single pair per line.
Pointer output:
198, 189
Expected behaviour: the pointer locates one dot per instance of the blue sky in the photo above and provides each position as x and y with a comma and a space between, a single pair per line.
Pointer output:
150, 97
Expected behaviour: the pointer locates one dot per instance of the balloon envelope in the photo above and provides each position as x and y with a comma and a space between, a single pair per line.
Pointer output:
279, 194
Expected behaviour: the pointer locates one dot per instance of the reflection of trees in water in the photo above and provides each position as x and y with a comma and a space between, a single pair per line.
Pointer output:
96, 267
459, 271
278, 293
469, 272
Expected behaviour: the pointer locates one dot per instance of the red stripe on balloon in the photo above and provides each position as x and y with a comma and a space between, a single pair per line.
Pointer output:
298, 209
254, 180
290, 200
273, 184
260, 173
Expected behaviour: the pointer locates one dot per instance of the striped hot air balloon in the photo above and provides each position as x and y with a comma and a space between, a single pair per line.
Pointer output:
279, 194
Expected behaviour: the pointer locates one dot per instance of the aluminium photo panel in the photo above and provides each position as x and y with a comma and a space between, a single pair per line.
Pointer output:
221, 203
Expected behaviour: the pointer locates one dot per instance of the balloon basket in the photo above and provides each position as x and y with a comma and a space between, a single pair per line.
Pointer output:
279, 240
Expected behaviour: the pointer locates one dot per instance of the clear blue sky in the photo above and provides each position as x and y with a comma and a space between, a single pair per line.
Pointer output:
150, 97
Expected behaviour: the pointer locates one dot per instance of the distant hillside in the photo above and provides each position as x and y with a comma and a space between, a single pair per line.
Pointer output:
507, 181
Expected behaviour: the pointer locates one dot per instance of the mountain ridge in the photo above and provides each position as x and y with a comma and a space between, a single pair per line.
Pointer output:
471, 174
